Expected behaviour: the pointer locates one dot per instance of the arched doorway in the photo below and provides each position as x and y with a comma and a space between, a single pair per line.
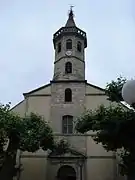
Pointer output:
66, 173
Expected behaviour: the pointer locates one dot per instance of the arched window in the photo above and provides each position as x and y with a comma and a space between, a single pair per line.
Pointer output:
68, 95
68, 67
59, 47
67, 124
69, 44
79, 46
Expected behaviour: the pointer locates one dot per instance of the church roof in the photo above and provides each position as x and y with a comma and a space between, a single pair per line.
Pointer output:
49, 84
70, 21
96, 87
37, 89
44, 86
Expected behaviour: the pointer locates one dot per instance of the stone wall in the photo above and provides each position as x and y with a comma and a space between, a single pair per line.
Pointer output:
60, 108
78, 68
77, 60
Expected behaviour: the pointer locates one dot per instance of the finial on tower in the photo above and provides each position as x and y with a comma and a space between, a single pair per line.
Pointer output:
71, 11
70, 21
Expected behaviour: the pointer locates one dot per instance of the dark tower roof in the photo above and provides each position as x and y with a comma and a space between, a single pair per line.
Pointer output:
70, 21
70, 29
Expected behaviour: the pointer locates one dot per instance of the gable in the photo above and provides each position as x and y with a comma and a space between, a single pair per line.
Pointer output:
95, 96
43, 90
46, 90
70, 153
92, 90
19, 108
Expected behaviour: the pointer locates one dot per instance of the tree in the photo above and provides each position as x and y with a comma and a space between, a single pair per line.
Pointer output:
27, 134
113, 89
114, 126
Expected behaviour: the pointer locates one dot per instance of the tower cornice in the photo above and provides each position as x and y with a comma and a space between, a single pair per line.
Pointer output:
70, 31
68, 81
69, 58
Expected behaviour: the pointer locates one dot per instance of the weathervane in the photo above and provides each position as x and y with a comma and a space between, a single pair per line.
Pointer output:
71, 10
71, 7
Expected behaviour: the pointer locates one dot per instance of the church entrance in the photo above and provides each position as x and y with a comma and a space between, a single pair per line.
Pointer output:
66, 173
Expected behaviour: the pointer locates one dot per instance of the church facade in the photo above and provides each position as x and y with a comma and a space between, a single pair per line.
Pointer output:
62, 100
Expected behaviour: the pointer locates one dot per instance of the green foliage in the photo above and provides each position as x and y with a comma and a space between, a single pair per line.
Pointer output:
113, 89
114, 126
35, 133
32, 132
27, 134
115, 130
9, 124
127, 163
60, 147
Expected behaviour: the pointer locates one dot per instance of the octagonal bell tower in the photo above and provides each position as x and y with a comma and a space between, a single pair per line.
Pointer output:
69, 44
68, 84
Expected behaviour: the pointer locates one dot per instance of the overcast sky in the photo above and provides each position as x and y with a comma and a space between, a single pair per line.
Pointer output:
26, 48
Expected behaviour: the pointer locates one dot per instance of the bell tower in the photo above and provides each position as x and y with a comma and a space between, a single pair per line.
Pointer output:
68, 84
69, 44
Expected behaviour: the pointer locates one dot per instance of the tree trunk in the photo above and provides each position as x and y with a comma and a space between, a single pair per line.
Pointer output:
8, 168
